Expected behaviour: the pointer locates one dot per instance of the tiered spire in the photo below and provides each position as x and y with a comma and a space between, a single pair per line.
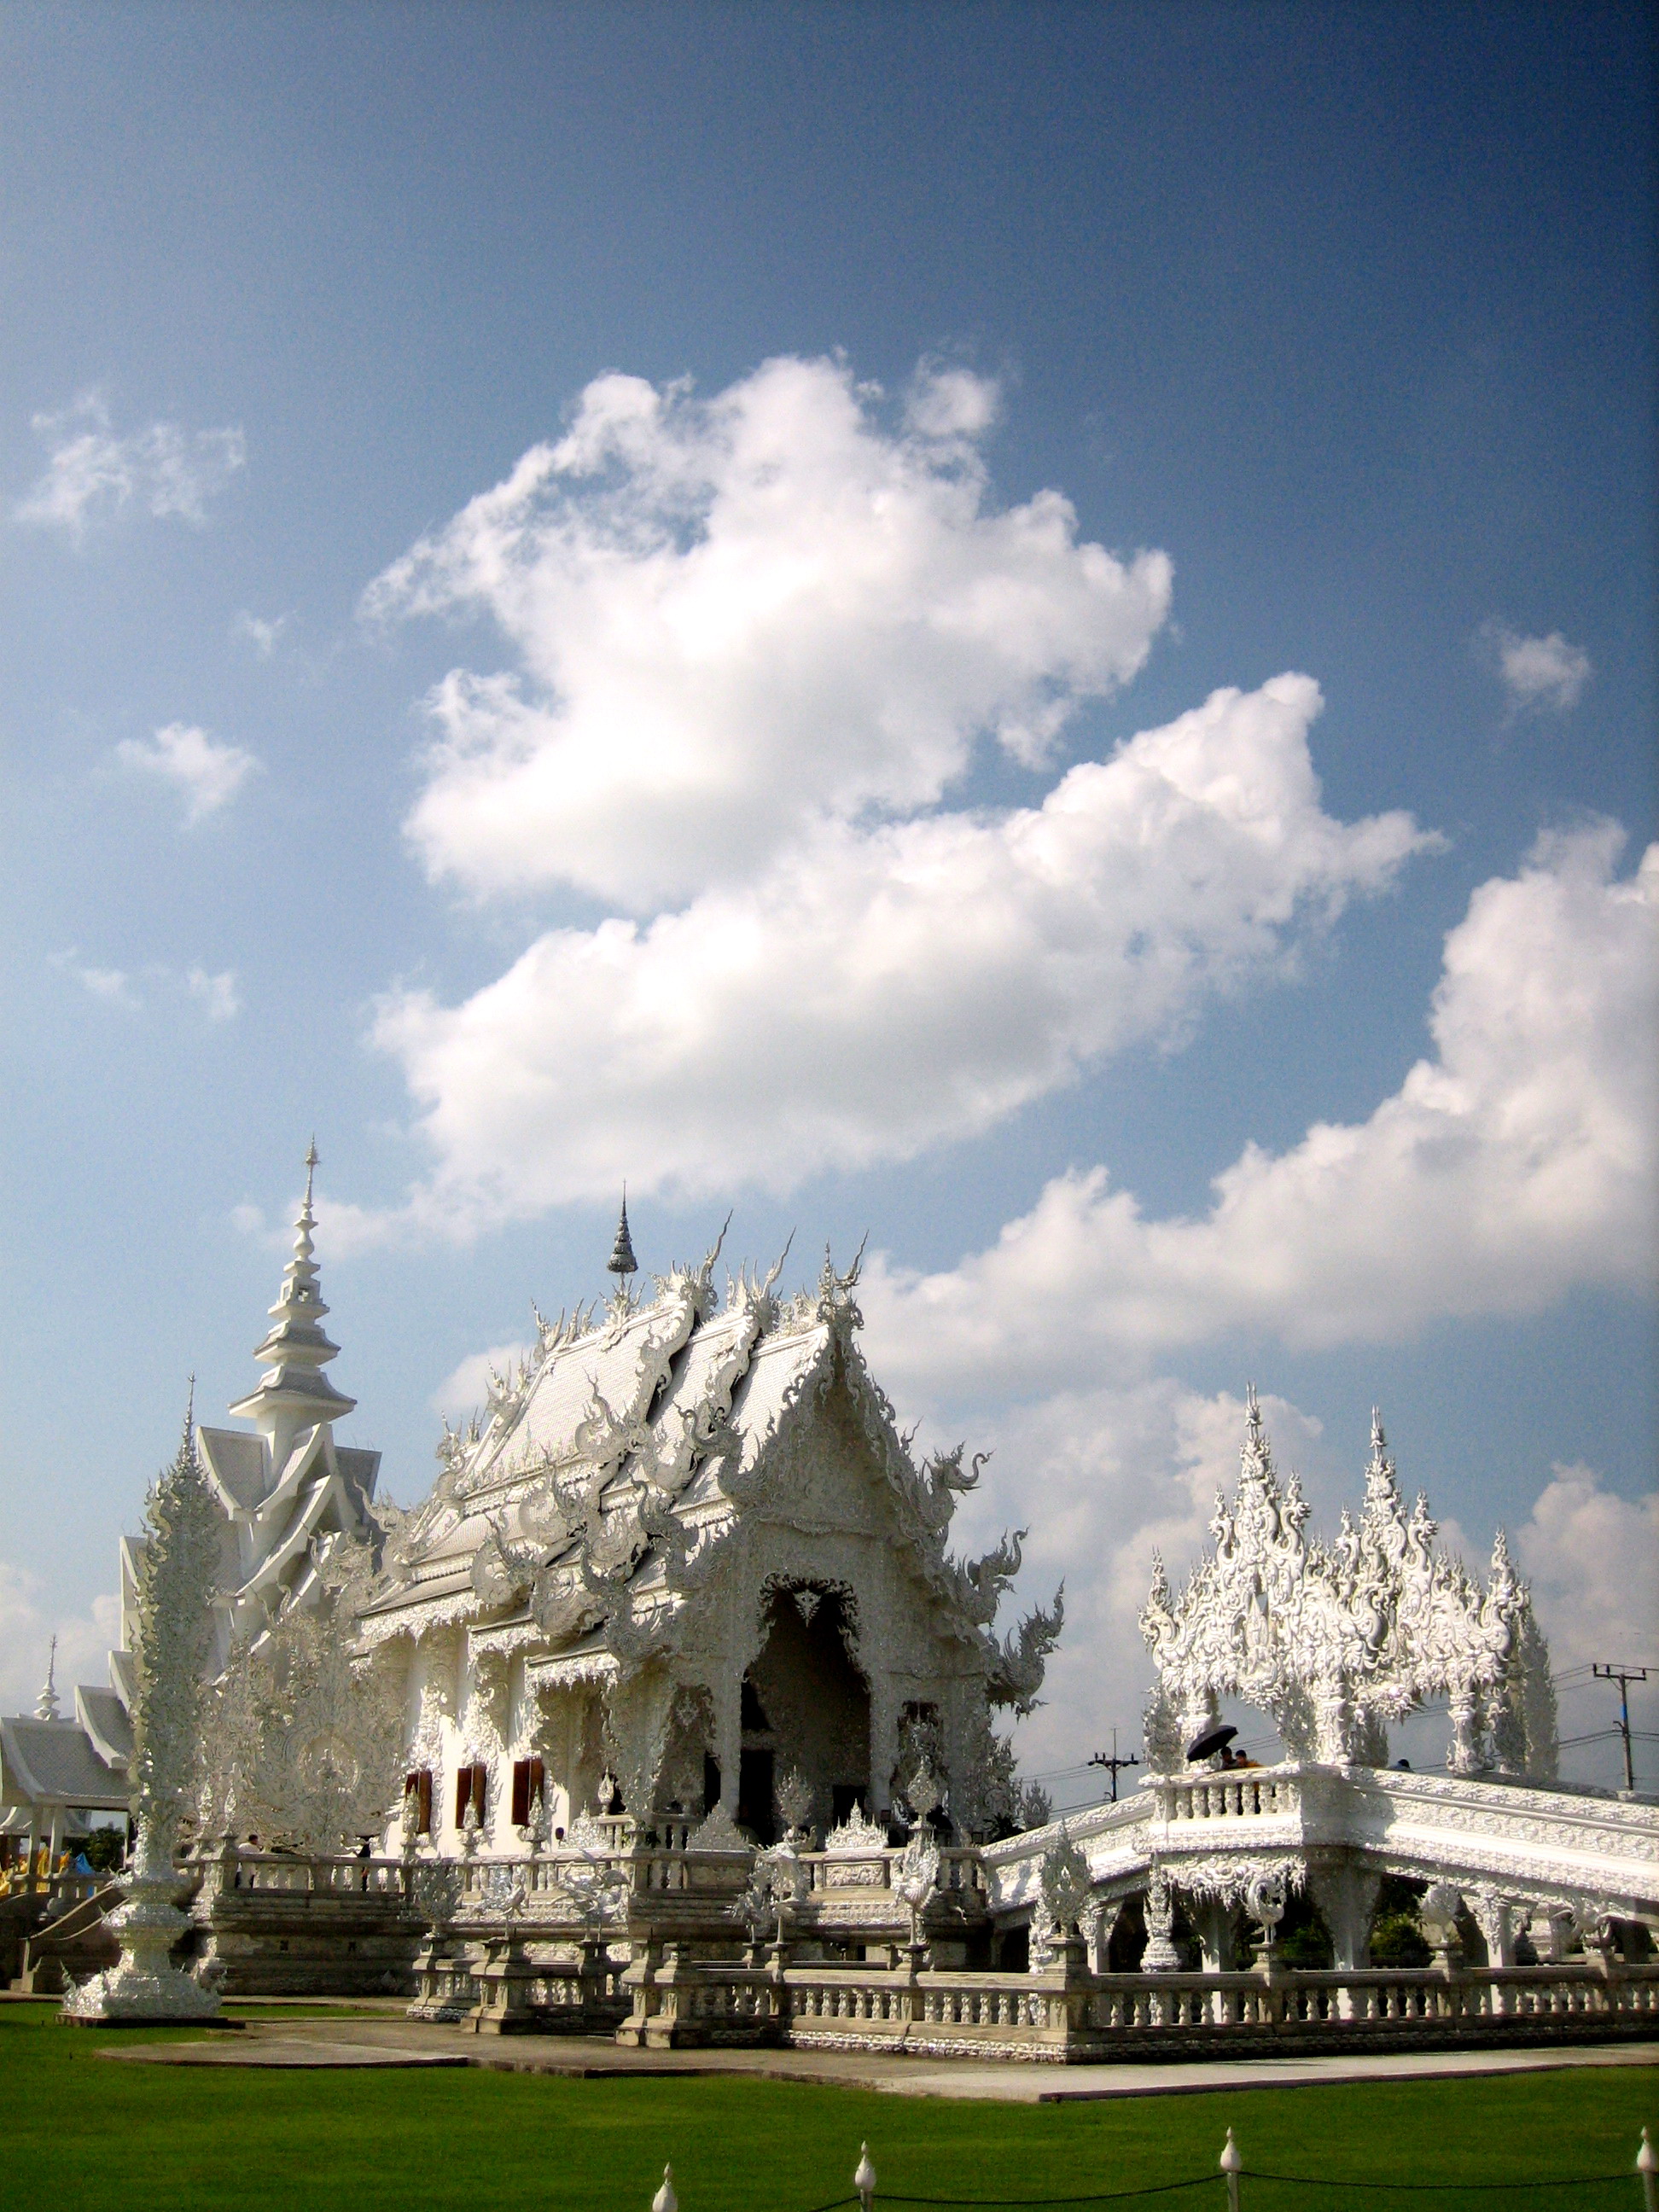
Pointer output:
622, 1262
45, 1705
293, 1393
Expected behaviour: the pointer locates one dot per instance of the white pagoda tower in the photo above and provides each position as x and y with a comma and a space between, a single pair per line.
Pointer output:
288, 1487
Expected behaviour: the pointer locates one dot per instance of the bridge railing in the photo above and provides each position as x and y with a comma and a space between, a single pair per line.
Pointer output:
1065, 2012
1237, 1796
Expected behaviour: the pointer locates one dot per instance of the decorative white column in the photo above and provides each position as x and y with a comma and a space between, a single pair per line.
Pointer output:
176, 1584
146, 1984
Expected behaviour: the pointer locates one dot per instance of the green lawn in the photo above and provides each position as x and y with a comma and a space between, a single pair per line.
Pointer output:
79, 2130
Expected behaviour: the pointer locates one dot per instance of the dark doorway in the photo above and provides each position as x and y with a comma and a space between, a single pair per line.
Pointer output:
755, 1795
711, 1783
805, 1701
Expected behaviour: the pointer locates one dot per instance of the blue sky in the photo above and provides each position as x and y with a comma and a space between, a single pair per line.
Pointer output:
1333, 330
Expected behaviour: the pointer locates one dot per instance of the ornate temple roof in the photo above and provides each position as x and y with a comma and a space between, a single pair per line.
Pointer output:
611, 1467
637, 1390
56, 1763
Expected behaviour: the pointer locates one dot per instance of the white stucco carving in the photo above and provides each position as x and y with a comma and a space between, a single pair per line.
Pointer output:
1336, 1640
174, 1631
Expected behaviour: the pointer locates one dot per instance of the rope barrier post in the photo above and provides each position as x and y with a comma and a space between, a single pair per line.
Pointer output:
1232, 2160
1647, 2164
665, 2200
865, 2179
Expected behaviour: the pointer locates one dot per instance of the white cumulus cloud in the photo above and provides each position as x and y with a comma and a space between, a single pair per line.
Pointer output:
113, 985
93, 472
737, 619
27, 1625
263, 634
466, 1388
879, 989
1538, 674
1593, 1560
1514, 1163
207, 770
217, 995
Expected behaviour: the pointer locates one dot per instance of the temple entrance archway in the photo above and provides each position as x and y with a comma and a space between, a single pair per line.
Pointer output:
806, 1710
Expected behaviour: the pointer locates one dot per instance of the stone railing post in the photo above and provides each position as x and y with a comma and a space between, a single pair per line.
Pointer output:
662, 2025
640, 1980
1231, 2162
1647, 2164
503, 2006
594, 1971
864, 2181
912, 1999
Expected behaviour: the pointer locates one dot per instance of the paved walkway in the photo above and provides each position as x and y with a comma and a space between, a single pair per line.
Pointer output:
382, 2040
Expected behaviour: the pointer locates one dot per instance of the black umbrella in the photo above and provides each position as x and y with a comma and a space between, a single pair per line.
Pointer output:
1205, 1746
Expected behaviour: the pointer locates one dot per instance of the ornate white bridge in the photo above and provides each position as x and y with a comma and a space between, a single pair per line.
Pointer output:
1511, 1850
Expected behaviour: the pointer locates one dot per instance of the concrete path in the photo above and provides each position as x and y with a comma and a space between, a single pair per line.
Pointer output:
384, 2040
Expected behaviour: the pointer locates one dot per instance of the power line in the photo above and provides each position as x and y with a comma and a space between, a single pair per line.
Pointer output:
1114, 1766
1624, 1674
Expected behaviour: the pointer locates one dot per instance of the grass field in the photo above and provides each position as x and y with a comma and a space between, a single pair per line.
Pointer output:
79, 2131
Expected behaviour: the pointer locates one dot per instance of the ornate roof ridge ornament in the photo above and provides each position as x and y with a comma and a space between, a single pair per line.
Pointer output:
836, 1305
756, 1294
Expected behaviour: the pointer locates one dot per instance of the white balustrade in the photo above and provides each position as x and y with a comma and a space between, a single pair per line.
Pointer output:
1084, 2013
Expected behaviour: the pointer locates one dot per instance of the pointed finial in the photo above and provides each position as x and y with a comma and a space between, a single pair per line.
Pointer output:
311, 1166
1255, 1457
864, 2179
1232, 2158
665, 2200
1646, 2162
190, 1412
45, 1705
622, 1260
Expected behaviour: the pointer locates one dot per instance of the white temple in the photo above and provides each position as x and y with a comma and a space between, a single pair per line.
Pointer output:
676, 1642
690, 1553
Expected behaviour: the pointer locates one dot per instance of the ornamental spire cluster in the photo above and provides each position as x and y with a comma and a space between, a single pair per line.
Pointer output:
1336, 1640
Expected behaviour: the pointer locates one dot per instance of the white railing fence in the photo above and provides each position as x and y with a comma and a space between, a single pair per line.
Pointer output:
1065, 2013
1230, 2169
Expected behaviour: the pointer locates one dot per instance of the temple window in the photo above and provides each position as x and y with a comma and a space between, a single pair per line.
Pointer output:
472, 1787
418, 1786
529, 1779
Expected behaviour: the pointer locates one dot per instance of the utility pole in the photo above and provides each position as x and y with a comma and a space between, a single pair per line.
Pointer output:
1623, 1676
1114, 1766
